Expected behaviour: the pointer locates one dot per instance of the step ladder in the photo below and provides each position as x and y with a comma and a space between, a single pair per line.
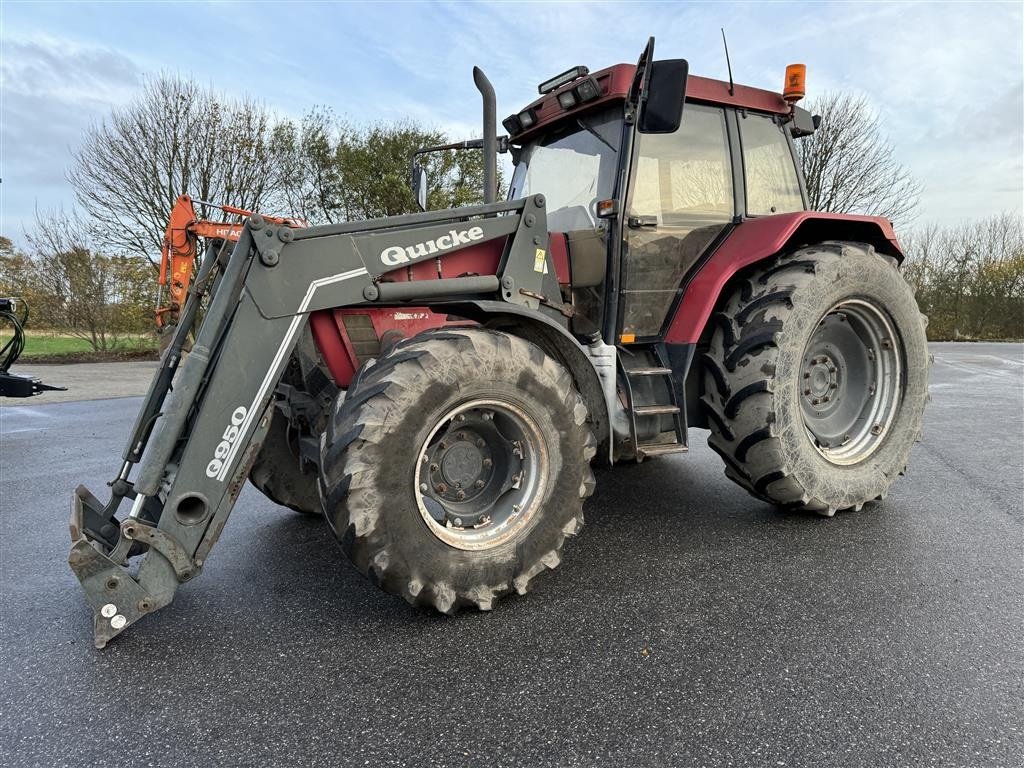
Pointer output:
643, 450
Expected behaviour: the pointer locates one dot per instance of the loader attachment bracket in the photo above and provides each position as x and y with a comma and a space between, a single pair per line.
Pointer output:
166, 545
117, 599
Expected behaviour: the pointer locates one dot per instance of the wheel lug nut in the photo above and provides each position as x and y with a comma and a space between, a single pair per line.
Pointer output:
442, 445
434, 467
876, 430
488, 462
461, 417
480, 443
440, 487
424, 487
460, 495
807, 374
807, 391
815, 401
833, 385
479, 483
458, 522
461, 436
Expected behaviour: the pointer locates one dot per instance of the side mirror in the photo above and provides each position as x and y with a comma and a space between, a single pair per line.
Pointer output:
419, 186
661, 105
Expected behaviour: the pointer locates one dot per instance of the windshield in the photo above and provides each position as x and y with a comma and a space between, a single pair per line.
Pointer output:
573, 168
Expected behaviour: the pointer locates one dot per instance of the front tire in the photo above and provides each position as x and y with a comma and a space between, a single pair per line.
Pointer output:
456, 468
817, 377
280, 474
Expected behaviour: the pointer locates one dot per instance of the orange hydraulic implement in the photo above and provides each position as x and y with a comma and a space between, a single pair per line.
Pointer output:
180, 246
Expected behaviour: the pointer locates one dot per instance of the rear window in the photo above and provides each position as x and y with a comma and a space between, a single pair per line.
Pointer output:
772, 182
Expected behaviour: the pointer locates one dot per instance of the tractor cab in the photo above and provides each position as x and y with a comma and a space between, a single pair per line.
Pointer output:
643, 192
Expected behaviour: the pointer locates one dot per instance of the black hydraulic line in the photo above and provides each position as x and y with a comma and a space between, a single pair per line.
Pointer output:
12, 350
436, 289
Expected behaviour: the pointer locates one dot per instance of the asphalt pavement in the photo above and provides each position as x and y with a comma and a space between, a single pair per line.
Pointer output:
688, 624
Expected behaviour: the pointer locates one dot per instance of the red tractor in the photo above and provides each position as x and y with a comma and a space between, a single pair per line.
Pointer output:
439, 384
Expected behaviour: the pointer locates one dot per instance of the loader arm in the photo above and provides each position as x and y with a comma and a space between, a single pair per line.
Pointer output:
202, 424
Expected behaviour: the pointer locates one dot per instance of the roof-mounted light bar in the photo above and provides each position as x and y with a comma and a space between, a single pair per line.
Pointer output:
559, 80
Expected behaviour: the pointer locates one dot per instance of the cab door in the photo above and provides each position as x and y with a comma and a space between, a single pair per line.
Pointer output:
681, 198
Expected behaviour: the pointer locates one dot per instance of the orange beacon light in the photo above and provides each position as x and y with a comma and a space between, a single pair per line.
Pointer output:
796, 83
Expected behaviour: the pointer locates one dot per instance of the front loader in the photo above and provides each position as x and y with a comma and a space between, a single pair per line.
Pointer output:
438, 384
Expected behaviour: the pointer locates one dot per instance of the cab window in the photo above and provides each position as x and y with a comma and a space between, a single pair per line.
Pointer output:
772, 182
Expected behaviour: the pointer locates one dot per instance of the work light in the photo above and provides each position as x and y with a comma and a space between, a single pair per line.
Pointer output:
559, 80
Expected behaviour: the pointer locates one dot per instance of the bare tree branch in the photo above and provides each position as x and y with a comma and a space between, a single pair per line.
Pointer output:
849, 165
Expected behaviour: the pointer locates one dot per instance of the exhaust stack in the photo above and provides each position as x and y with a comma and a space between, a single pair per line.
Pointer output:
490, 137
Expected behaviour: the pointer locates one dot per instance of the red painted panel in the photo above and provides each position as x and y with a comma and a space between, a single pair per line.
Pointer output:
558, 246
760, 238
615, 82
332, 339
478, 259
744, 97
336, 353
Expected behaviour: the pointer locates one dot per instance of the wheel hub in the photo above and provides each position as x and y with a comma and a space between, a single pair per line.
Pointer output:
478, 474
850, 383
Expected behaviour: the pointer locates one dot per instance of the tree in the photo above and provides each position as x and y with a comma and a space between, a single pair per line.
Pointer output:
332, 170
849, 165
310, 181
14, 269
174, 138
969, 278
82, 291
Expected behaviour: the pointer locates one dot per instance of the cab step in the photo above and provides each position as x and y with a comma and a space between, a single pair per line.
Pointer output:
648, 371
661, 449
655, 410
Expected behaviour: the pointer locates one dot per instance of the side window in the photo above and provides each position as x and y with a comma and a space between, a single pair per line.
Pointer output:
685, 174
772, 182
683, 195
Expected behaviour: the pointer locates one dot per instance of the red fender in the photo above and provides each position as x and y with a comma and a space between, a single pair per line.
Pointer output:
757, 239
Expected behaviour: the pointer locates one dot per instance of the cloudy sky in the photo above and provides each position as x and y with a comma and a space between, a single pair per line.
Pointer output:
947, 79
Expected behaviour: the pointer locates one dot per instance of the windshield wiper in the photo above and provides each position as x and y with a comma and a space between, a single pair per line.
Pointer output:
596, 135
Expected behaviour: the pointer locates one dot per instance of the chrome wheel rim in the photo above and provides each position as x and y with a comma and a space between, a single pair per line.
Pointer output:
481, 474
851, 381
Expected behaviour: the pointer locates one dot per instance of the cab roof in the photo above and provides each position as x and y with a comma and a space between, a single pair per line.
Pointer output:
616, 80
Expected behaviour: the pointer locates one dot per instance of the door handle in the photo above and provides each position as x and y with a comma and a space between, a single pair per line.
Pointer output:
636, 222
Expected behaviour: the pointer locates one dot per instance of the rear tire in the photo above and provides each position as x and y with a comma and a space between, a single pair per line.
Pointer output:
817, 377
380, 466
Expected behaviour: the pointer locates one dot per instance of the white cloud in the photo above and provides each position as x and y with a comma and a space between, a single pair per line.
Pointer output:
50, 90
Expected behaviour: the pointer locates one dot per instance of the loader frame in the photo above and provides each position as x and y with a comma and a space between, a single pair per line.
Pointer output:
201, 426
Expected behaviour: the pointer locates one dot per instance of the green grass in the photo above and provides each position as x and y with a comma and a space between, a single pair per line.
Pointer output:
42, 344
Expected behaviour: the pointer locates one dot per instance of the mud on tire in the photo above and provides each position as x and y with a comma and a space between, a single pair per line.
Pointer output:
757, 370
372, 447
